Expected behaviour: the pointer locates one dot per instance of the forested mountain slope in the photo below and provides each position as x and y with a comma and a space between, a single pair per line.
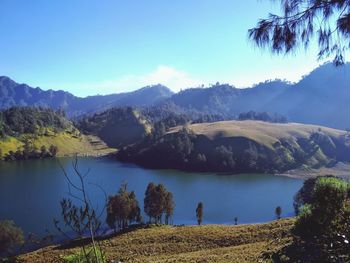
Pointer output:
14, 94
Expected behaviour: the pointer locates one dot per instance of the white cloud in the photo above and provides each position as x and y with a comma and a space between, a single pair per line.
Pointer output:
168, 76
174, 79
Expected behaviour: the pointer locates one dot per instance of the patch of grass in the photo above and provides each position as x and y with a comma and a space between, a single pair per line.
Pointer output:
68, 144
79, 257
10, 144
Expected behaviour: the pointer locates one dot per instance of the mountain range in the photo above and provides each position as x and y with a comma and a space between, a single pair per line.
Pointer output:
14, 94
321, 97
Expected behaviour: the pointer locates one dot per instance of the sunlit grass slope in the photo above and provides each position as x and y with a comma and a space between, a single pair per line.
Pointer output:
208, 243
264, 133
68, 144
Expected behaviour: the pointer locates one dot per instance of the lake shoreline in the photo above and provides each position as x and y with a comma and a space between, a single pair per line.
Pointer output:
340, 169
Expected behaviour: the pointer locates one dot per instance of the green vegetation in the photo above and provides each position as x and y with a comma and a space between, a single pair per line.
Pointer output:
79, 257
158, 201
278, 212
123, 209
27, 120
321, 232
81, 218
123, 126
41, 133
11, 237
199, 213
262, 116
117, 127
241, 146
30, 151
300, 22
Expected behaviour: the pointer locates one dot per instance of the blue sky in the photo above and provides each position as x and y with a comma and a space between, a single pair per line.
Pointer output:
100, 47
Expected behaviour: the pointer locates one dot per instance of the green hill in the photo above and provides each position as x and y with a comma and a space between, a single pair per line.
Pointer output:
243, 146
117, 127
31, 129
67, 144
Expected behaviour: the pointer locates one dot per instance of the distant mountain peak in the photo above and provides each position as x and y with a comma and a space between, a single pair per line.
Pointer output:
157, 88
4, 80
14, 94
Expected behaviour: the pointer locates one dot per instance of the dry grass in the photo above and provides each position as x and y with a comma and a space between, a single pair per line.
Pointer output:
262, 132
209, 243
67, 144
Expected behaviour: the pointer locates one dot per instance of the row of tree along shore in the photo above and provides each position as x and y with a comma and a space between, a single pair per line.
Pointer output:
29, 151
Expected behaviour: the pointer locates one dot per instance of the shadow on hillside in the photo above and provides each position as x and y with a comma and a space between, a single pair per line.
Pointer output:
86, 241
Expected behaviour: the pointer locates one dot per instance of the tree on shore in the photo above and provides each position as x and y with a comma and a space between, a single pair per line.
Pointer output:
322, 226
148, 201
298, 24
199, 213
158, 201
169, 207
11, 237
53, 150
79, 215
122, 209
278, 212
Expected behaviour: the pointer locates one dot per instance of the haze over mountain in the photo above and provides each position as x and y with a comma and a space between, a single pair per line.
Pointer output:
322, 97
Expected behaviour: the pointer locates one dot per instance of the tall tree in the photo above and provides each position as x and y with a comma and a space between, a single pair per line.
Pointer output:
169, 207
122, 209
149, 201
300, 21
157, 202
199, 213
322, 226
43, 151
11, 236
135, 211
159, 205
53, 150
278, 212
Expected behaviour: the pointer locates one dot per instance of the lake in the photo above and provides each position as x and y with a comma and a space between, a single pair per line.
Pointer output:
30, 191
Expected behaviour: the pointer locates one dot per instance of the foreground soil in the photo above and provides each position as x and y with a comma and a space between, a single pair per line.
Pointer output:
208, 243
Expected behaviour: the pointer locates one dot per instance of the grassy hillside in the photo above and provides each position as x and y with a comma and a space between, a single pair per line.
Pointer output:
243, 146
67, 144
25, 130
264, 133
208, 243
